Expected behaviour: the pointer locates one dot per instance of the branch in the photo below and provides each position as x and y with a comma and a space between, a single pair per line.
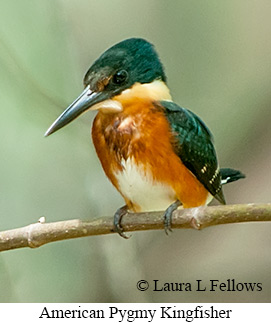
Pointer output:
38, 234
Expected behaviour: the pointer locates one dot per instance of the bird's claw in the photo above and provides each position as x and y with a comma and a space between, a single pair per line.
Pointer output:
168, 216
117, 221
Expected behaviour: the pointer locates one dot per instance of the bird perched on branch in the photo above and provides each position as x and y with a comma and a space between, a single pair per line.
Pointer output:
158, 155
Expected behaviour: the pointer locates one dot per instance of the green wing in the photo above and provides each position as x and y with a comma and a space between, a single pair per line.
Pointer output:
194, 146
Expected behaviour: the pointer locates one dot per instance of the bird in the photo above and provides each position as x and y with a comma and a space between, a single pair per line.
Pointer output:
158, 155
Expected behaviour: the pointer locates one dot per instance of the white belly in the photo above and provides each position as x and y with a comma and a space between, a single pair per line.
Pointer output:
137, 185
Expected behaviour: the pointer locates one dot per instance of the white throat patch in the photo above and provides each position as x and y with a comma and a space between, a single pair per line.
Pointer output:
156, 91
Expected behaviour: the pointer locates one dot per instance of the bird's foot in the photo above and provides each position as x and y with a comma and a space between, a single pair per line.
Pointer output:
117, 221
168, 215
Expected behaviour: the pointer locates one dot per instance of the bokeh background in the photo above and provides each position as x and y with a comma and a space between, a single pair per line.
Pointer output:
217, 58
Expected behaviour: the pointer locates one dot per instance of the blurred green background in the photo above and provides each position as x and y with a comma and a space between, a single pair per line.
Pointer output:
217, 58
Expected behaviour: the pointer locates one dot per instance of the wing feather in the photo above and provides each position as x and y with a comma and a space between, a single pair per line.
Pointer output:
194, 145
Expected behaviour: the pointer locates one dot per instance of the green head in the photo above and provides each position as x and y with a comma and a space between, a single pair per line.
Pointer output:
131, 61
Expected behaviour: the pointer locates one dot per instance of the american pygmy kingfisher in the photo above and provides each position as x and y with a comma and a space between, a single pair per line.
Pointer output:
158, 155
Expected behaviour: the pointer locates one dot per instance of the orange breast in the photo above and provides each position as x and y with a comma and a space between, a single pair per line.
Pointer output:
141, 134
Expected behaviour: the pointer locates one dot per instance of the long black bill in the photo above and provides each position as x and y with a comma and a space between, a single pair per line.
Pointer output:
85, 101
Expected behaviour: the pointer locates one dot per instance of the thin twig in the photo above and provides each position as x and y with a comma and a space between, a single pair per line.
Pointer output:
38, 234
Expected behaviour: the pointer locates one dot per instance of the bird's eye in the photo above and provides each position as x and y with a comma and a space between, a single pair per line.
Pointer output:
120, 77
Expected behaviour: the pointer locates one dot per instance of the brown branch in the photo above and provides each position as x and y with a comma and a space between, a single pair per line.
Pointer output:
38, 234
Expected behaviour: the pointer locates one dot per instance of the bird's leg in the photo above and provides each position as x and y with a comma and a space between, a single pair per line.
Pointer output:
168, 215
117, 220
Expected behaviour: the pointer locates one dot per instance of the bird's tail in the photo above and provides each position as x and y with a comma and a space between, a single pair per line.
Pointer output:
229, 175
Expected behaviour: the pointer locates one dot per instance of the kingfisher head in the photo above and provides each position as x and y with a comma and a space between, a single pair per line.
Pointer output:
119, 71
